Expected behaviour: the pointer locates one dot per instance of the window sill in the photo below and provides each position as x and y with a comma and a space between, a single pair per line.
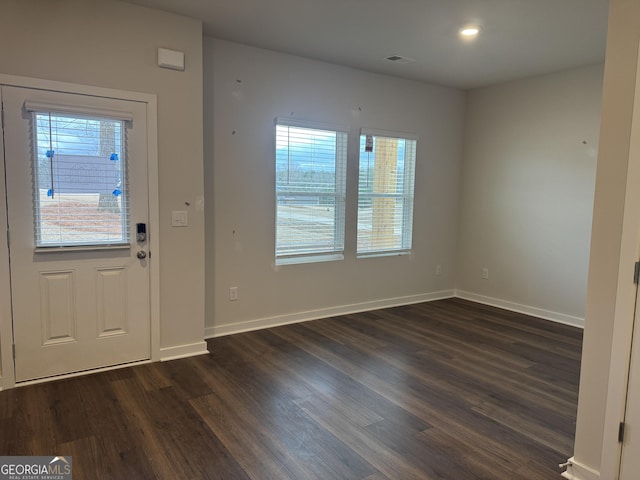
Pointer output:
82, 248
309, 259
384, 254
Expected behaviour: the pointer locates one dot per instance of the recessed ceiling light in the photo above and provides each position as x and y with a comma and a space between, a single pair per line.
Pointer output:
470, 31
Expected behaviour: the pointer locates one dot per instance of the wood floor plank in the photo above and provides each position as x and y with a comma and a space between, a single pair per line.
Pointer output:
384, 459
442, 411
92, 456
321, 379
152, 376
441, 390
466, 460
256, 458
517, 420
271, 424
444, 333
537, 471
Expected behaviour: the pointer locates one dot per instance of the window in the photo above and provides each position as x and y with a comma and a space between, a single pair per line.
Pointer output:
310, 192
80, 188
385, 193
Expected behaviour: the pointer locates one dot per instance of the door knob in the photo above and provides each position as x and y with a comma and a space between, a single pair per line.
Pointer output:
141, 254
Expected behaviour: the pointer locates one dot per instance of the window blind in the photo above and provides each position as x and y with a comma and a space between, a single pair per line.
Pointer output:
310, 190
385, 193
80, 181
81, 110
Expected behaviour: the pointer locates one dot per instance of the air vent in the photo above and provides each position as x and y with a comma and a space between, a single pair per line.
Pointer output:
399, 59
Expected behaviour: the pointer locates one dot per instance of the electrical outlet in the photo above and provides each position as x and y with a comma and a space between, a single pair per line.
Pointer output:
233, 293
438, 269
485, 273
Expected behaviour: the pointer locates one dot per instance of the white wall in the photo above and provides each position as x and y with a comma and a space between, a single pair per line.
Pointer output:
114, 45
246, 89
527, 192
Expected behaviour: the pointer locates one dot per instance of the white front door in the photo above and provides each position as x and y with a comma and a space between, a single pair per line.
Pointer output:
76, 182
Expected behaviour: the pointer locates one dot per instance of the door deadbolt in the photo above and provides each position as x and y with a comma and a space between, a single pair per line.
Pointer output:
141, 232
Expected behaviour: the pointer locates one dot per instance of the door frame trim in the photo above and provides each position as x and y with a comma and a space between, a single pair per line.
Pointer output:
7, 364
625, 314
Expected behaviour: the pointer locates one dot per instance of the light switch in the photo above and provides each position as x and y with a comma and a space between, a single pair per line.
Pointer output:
179, 219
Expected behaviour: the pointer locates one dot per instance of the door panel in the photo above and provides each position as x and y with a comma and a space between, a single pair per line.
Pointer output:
79, 307
111, 297
58, 307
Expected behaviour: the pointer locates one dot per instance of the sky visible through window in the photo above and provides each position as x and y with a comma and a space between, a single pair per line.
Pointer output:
71, 134
305, 159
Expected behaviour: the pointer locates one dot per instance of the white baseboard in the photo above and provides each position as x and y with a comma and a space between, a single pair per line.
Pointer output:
577, 471
215, 331
183, 351
219, 331
527, 310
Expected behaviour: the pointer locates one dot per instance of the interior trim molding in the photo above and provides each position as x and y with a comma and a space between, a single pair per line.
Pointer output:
526, 309
276, 321
183, 351
577, 471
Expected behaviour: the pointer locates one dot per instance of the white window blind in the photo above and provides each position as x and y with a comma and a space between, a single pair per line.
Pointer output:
385, 193
80, 181
310, 191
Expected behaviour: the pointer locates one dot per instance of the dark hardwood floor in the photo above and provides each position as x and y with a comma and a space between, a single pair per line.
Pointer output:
441, 390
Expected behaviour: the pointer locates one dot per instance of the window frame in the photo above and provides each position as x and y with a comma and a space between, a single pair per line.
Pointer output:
407, 196
309, 255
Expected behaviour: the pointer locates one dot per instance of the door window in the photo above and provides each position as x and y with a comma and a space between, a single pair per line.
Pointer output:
80, 180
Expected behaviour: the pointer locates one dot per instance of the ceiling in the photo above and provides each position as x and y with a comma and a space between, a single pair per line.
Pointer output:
518, 38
